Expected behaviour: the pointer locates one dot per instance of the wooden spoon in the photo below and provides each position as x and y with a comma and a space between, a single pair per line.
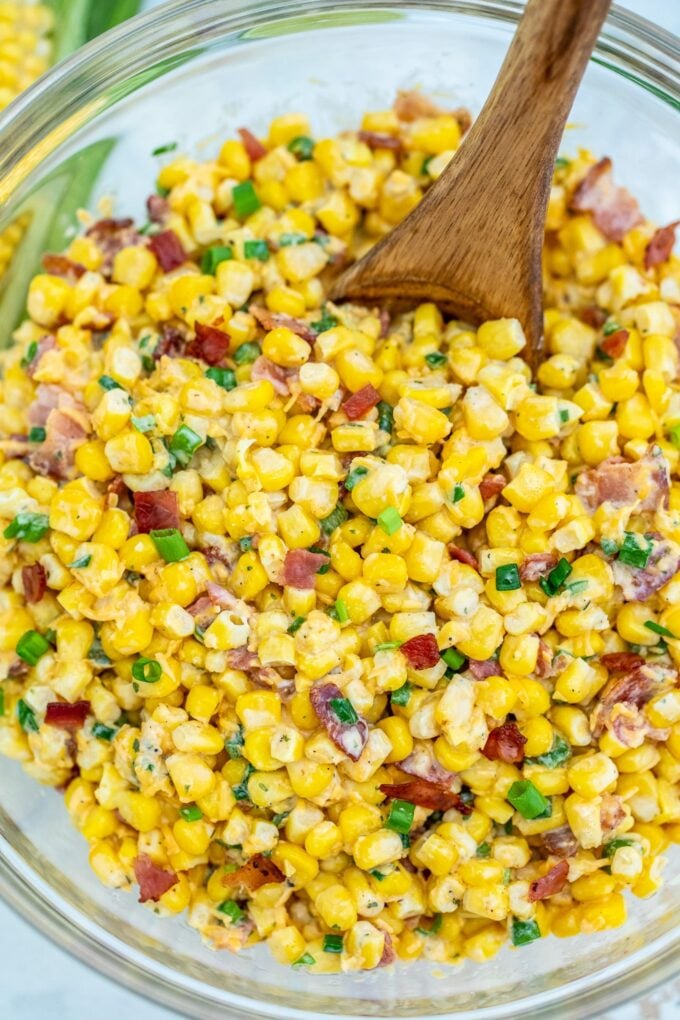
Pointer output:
473, 244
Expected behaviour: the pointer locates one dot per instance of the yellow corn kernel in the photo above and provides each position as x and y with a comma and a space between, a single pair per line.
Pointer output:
190, 776
141, 812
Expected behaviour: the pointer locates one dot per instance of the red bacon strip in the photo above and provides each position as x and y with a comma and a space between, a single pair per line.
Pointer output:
661, 245
427, 795
377, 140
615, 344
349, 737
153, 880
256, 872
492, 485
505, 743
621, 662
483, 668
211, 344
252, 145
156, 510
421, 651
67, 716
271, 320
300, 567
614, 209
462, 555
549, 884
361, 402
168, 249
34, 581
536, 565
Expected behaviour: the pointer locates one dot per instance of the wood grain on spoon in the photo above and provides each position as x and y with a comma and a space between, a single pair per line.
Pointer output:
473, 244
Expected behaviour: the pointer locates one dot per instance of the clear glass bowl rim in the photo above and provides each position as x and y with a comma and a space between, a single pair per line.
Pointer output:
28, 134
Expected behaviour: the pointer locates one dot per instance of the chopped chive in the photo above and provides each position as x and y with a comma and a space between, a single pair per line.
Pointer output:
564, 415
524, 932
191, 813
170, 544
279, 818
483, 850
30, 354
458, 493
256, 250
507, 577
184, 444
610, 848
107, 383
162, 149
436, 359
609, 328
386, 646
377, 875
147, 671
341, 611
27, 527
37, 434
81, 562
527, 799
453, 658
232, 910
246, 353
400, 816
434, 928
343, 710
31, 647
224, 377
212, 258
334, 519
575, 586
556, 578
325, 567
288, 240
354, 476
326, 322
144, 424
658, 629
402, 694
306, 960
332, 943
241, 791
632, 552
557, 755
302, 147
26, 717
245, 199
385, 416
234, 744
102, 732
390, 520
296, 624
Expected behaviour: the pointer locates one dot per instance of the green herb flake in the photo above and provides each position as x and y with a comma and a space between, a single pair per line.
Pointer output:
556, 578
256, 250
80, 563
610, 327
326, 322
387, 646
306, 960
507, 578
385, 416
37, 434
26, 717
291, 239
524, 932
332, 943
160, 150
656, 628
147, 671
633, 552
458, 493
27, 527
453, 658
191, 813
436, 359
559, 753
247, 353
402, 694
434, 928
30, 354
302, 147
144, 424
31, 647
233, 745
609, 548
102, 732
232, 911
610, 848
344, 711
296, 624
107, 383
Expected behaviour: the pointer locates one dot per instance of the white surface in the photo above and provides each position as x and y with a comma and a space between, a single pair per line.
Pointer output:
41, 982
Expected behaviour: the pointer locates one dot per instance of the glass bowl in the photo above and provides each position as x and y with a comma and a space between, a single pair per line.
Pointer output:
190, 73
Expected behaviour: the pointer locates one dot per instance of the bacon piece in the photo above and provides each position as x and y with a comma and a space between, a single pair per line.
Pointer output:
156, 510
256, 872
536, 565
615, 344
361, 402
263, 368
271, 320
168, 249
621, 662
65, 432
241, 658
388, 954
34, 582
67, 716
65, 268
421, 651
622, 483
483, 668
634, 689
411, 105
377, 140
153, 880
505, 743
638, 583
111, 236
561, 841
422, 764
593, 316
252, 145
203, 612
462, 556
549, 884
211, 344
548, 664
228, 557
47, 399
612, 814
661, 245
157, 208
18, 669
172, 344
349, 737
614, 209
491, 485
223, 598
300, 567
427, 795
48, 343
385, 322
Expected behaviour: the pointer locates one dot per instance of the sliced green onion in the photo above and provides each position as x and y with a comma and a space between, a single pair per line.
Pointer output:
564, 415
527, 799
341, 610
436, 359
144, 424
507, 577
288, 240
658, 629
556, 578
524, 932
385, 416
377, 875
191, 813
296, 624
212, 258
327, 321
102, 732
302, 147
483, 850
232, 910
37, 434
241, 791
325, 567
343, 710
82, 561
458, 493
434, 928
31, 646
332, 943
147, 671
632, 552
184, 444
224, 377
26, 717
390, 520
245, 199
453, 658
246, 353
576, 586
170, 544
306, 960
27, 527
234, 744
334, 519
609, 547
386, 646
610, 848
400, 816
557, 755
609, 328
30, 354
354, 476
256, 250
425, 168
561, 163
402, 694
107, 383
161, 149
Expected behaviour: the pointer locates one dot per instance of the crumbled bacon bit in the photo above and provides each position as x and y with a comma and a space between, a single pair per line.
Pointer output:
278, 376
536, 565
168, 249
60, 265
492, 485
637, 583
462, 556
615, 344
376, 140
256, 872
624, 483
421, 762
67, 716
421, 651
385, 322
157, 208
594, 316
226, 556
153, 880
211, 344
156, 510
411, 105
172, 344
621, 662
271, 320
48, 343
614, 209
549, 884
612, 814
111, 236
505, 743
241, 658
483, 668
426, 794
300, 567
388, 954
349, 737
634, 688
34, 582
561, 841
252, 145
361, 402
65, 432
661, 245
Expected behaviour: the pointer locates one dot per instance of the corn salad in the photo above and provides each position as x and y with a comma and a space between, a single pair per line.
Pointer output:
337, 630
